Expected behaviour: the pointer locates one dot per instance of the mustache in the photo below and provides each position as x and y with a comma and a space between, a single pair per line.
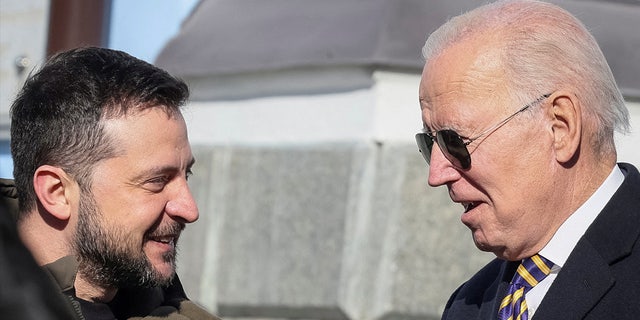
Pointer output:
173, 228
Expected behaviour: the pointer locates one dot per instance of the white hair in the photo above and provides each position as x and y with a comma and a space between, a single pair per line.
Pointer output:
544, 48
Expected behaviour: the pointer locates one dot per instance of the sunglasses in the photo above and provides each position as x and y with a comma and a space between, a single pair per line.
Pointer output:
453, 146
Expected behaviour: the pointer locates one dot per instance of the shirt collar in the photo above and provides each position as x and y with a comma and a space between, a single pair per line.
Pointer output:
572, 229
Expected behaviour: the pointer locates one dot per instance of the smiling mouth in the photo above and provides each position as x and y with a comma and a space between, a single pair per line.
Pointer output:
169, 239
166, 235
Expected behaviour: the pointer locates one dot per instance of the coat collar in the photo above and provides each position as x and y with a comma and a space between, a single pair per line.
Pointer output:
586, 276
63, 272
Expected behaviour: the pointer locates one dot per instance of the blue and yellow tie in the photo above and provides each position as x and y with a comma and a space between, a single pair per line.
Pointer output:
530, 272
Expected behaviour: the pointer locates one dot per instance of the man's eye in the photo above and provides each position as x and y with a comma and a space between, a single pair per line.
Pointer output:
159, 180
156, 184
188, 174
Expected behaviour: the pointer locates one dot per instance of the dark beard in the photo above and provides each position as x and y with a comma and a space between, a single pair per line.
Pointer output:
110, 258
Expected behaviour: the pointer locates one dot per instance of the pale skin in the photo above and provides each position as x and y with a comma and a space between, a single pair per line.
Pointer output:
141, 189
526, 177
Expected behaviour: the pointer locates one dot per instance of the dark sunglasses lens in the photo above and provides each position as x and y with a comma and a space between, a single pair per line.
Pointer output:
425, 144
454, 148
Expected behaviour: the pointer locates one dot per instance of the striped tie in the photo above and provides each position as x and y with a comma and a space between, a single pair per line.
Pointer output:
530, 272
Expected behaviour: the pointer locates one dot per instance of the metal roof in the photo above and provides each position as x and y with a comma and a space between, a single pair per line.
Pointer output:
239, 36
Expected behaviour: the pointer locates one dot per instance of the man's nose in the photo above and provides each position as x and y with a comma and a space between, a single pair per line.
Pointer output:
182, 206
441, 171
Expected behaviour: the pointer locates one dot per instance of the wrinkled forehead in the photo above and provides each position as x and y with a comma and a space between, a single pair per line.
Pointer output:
468, 74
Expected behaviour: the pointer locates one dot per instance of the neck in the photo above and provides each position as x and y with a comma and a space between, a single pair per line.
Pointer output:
88, 291
572, 186
589, 178
46, 244
48, 241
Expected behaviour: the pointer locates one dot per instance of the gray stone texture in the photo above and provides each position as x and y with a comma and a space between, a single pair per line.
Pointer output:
327, 231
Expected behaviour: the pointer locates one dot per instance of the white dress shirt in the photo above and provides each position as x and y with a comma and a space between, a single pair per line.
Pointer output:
567, 236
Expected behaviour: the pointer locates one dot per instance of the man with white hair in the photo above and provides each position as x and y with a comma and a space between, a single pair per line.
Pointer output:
519, 110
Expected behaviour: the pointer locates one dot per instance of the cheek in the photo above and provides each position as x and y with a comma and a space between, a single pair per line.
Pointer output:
523, 156
525, 175
133, 212
507, 174
132, 226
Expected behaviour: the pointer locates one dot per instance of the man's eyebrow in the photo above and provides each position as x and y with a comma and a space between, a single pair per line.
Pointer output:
427, 129
162, 169
424, 100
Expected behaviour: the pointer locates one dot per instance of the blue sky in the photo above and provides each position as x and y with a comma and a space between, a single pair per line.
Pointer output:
141, 28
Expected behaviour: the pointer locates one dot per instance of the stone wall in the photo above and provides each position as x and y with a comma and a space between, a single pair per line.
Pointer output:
316, 205
323, 231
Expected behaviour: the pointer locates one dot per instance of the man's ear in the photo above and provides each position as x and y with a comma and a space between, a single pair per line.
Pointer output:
53, 187
566, 112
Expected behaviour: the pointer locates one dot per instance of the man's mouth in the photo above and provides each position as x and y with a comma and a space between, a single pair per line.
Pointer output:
167, 239
468, 206
167, 235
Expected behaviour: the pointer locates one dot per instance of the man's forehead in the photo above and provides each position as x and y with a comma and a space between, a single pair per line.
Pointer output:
458, 74
153, 125
126, 109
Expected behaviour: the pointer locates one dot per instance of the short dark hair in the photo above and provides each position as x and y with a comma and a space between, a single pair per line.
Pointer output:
56, 117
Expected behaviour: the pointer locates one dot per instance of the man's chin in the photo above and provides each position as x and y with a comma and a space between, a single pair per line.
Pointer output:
483, 245
499, 251
164, 268
165, 272
161, 259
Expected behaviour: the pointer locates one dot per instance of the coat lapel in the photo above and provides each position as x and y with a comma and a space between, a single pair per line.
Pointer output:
489, 310
586, 276
578, 287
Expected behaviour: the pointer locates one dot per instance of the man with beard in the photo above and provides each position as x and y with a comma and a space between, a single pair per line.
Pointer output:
101, 160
